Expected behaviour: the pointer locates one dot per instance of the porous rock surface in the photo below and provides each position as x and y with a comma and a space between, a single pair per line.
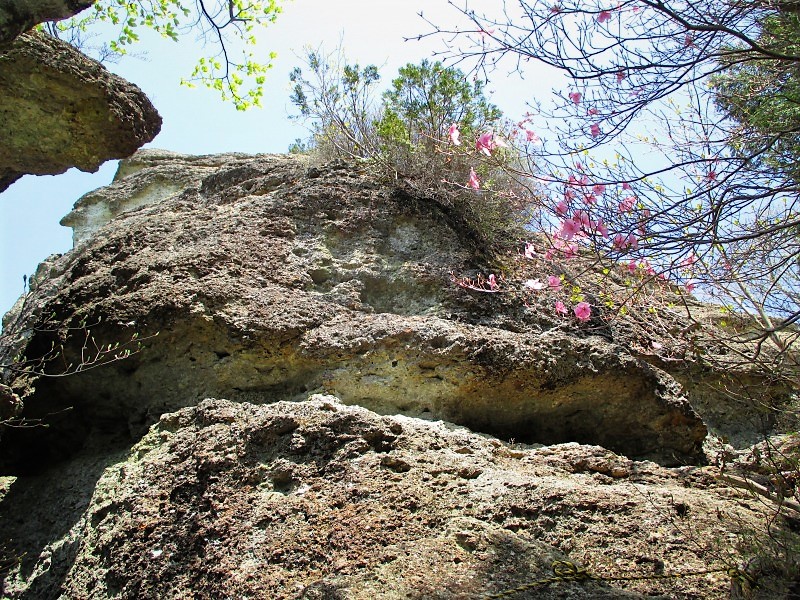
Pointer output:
317, 302
264, 275
316, 499
61, 109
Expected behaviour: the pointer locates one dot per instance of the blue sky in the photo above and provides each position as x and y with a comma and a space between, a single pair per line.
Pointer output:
198, 122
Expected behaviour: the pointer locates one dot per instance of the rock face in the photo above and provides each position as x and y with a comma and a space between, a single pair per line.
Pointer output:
317, 302
316, 499
61, 109
262, 275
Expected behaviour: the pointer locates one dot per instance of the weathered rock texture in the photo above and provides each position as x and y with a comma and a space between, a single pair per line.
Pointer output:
18, 16
262, 275
61, 109
317, 499
296, 292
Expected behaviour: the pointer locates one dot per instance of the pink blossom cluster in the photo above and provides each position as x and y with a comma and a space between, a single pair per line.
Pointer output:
581, 224
528, 135
576, 222
488, 143
552, 283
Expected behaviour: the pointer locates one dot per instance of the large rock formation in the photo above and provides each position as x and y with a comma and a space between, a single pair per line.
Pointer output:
319, 500
61, 109
264, 276
293, 291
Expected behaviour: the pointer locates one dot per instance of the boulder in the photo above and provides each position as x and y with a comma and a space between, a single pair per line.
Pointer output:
253, 377
316, 499
61, 109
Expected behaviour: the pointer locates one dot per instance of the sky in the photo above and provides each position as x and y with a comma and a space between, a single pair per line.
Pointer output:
197, 121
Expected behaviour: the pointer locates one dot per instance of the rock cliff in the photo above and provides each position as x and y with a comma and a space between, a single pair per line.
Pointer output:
377, 432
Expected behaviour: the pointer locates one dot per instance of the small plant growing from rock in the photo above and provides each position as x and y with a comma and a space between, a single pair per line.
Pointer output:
18, 371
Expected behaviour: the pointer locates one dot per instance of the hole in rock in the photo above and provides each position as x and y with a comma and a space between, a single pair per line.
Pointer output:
319, 276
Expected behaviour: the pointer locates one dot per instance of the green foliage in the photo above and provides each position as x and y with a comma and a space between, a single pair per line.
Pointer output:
763, 96
417, 111
427, 98
405, 128
299, 146
404, 134
228, 26
337, 98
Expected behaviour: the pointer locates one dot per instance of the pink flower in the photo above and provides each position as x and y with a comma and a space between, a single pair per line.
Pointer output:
534, 284
645, 264
575, 97
569, 229
625, 242
569, 250
712, 175
530, 251
599, 188
626, 186
689, 260
474, 182
620, 76
627, 204
532, 137
590, 199
560, 308
601, 228
485, 144
690, 287
492, 282
584, 180
632, 266
594, 130
562, 208
582, 217
582, 311
688, 41
643, 222
554, 281
569, 195
591, 111
603, 16
454, 134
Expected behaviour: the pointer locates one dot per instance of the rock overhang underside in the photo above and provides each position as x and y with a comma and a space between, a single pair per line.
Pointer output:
62, 109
